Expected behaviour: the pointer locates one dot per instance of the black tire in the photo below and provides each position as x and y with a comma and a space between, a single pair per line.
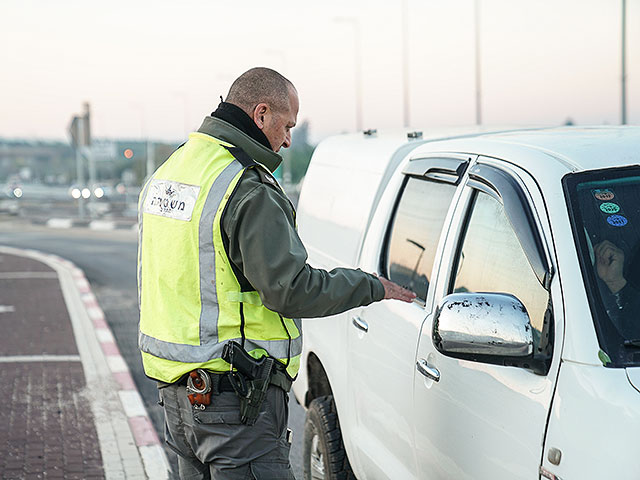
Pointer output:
323, 453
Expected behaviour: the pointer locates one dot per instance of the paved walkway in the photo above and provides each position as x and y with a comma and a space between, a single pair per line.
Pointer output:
69, 407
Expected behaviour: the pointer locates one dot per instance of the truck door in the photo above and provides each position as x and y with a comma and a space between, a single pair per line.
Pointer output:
383, 337
476, 418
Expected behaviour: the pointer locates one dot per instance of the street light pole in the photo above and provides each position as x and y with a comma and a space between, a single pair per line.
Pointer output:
478, 75
80, 132
86, 124
358, 66
358, 61
624, 64
80, 167
405, 61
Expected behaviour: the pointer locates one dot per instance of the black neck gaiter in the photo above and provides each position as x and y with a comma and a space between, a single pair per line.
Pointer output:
237, 117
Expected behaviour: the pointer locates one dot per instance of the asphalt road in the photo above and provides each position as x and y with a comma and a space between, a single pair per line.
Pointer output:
109, 262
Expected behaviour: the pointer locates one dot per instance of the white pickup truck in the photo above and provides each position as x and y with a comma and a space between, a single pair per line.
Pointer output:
520, 357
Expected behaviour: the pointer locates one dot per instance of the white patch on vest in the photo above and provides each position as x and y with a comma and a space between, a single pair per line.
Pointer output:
171, 199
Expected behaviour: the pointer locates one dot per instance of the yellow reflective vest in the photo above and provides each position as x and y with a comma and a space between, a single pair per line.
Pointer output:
190, 300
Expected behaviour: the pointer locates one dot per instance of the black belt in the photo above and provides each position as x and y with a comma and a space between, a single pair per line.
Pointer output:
220, 382
224, 385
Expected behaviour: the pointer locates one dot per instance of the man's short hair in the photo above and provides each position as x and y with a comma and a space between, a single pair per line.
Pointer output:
260, 85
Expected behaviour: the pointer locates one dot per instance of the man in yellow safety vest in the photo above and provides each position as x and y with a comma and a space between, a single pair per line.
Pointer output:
223, 282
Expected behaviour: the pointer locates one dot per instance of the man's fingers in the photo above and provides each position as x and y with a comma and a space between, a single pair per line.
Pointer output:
407, 296
403, 294
394, 291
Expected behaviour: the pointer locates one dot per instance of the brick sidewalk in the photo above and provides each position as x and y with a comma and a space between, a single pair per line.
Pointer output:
68, 406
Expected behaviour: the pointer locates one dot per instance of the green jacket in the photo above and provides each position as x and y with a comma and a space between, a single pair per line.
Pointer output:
264, 244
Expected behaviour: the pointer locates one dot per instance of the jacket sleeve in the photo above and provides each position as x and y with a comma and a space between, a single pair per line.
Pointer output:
264, 245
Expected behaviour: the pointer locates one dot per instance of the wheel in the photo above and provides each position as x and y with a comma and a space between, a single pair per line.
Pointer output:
323, 453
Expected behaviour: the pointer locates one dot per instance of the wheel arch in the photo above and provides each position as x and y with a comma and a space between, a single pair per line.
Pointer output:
317, 379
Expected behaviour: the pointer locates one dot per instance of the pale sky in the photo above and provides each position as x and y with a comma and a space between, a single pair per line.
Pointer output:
156, 68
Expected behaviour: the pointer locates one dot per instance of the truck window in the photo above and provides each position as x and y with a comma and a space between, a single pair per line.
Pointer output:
415, 232
491, 260
605, 216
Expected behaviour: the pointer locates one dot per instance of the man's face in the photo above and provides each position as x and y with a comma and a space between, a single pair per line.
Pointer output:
277, 125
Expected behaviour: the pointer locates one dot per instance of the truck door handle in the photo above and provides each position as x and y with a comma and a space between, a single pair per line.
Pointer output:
360, 324
429, 372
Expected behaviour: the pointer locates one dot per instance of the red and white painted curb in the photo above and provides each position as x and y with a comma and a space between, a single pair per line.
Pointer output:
147, 442
139, 421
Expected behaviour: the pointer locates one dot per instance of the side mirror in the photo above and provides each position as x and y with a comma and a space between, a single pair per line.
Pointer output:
486, 327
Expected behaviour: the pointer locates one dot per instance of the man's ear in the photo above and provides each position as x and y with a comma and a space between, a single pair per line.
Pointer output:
259, 113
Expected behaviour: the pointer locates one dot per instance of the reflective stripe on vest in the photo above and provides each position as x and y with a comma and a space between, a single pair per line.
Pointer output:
203, 353
164, 340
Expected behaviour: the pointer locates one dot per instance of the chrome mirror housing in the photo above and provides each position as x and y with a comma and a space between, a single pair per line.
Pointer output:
490, 327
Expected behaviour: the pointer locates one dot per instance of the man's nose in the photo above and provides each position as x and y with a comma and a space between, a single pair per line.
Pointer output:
287, 140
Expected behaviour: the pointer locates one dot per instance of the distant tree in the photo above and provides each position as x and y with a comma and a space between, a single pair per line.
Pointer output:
162, 152
299, 154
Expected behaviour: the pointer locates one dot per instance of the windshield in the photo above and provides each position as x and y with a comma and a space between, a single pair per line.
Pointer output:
605, 214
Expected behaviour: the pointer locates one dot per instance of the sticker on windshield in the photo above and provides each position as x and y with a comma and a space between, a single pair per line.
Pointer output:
171, 199
603, 195
617, 220
609, 207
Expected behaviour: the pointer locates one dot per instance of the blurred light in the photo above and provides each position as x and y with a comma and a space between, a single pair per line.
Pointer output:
75, 193
121, 189
17, 192
86, 193
98, 192
128, 154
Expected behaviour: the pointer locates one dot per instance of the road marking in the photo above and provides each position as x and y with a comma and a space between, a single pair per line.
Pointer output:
102, 225
59, 223
25, 275
39, 358
7, 308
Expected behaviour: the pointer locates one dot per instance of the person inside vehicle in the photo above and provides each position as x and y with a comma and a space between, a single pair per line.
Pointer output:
623, 301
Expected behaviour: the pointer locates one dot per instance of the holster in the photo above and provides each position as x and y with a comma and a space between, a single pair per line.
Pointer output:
252, 379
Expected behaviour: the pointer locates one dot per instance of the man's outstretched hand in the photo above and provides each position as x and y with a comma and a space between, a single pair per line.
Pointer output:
395, 291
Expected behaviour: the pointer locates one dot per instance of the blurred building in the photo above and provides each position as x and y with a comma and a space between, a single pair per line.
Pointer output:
53, 162
36, 160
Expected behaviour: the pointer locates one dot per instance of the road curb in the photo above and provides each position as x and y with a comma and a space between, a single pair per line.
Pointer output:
128, 441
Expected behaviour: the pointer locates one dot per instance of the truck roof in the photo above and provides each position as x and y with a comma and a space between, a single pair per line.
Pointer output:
579, 148
335, 210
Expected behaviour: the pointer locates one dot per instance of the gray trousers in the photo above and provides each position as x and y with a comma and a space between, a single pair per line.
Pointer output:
213, 444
